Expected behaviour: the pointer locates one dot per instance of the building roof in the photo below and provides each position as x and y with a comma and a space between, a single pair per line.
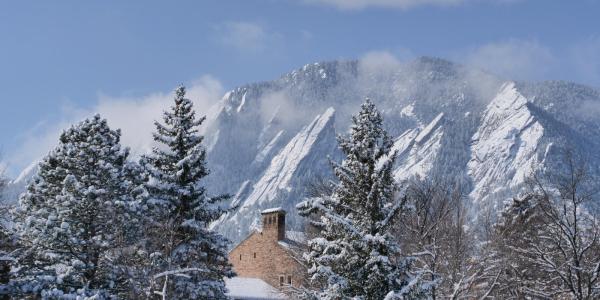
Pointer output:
272, 210
293, 240
252, 289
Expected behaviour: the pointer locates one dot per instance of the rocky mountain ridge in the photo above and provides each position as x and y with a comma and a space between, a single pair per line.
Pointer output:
268, 141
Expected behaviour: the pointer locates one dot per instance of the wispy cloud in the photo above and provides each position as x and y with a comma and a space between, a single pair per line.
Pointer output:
585, 56
306, 35
133, 115
384, 61
514, 59
397, 4
245, 36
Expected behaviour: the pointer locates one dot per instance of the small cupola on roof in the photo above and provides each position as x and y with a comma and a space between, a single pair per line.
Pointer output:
273, 223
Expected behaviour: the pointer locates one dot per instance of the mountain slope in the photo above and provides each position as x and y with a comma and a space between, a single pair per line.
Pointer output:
449, 122
504, 148
267, 140
283, 181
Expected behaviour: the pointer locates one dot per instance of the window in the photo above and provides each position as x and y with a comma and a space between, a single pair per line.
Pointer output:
289, 279
281, 279
269, 220
254, 254
240, 257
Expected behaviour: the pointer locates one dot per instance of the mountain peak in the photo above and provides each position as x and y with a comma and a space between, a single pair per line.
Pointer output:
282, 183
269, 139
506, 145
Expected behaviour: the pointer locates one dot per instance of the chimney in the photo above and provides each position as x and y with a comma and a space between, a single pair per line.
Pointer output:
273, 223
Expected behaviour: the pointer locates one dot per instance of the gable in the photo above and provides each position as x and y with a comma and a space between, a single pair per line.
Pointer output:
247, 241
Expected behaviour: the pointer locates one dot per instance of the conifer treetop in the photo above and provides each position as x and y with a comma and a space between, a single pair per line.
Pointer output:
354, 255
193, 259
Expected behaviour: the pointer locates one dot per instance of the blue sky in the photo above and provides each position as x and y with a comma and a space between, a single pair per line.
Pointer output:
61, 60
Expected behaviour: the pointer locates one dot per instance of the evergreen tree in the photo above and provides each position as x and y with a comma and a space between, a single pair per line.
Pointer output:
189, 260
355, 255
7, 241
74, 214
128, 259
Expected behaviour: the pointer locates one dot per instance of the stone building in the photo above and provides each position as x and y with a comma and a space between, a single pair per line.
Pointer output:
271, 254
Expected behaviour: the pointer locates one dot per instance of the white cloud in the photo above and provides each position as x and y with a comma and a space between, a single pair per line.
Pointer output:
383, 61
585, 57
245, 36
3, 168
378, 61
306, 35
589, 109
377, 68
134, 116
399, 4
514, 59
137, 131
289, 113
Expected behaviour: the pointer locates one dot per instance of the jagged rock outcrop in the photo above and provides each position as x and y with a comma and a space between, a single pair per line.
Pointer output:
265, 140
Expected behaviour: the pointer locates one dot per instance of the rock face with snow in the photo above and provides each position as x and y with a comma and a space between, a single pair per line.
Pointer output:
449, 121
266, 141
504, 148
303, 157
417, 149
18, 185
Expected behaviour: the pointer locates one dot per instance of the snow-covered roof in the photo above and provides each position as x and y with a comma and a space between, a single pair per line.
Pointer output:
251, 289
272, 210
293, 239
296, 236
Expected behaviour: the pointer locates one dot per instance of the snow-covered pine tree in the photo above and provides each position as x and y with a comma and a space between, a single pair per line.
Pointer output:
354, 256
128, 260
189, 260
6, 241
73, 216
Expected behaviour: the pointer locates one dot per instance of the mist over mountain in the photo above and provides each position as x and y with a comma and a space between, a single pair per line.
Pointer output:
448, 120
268, 141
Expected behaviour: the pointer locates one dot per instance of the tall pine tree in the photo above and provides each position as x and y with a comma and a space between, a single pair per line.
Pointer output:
73, 217
189, 260
354, 255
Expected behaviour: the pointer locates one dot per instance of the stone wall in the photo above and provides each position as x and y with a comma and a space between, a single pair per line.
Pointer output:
262, 257
265, 255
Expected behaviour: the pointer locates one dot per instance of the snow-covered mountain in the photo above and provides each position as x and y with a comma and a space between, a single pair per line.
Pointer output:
15, 187
284, 180
449, 121
267, 141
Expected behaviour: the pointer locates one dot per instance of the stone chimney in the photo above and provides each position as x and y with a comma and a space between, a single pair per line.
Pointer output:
273, 223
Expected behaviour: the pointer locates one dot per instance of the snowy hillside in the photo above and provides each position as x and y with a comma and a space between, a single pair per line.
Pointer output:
283, 182
504, 148
268, 140
18, 185
449, 121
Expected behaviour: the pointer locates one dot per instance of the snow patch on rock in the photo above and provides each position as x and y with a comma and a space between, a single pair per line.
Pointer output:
417, 149
282, 181
283, 166
503, 150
